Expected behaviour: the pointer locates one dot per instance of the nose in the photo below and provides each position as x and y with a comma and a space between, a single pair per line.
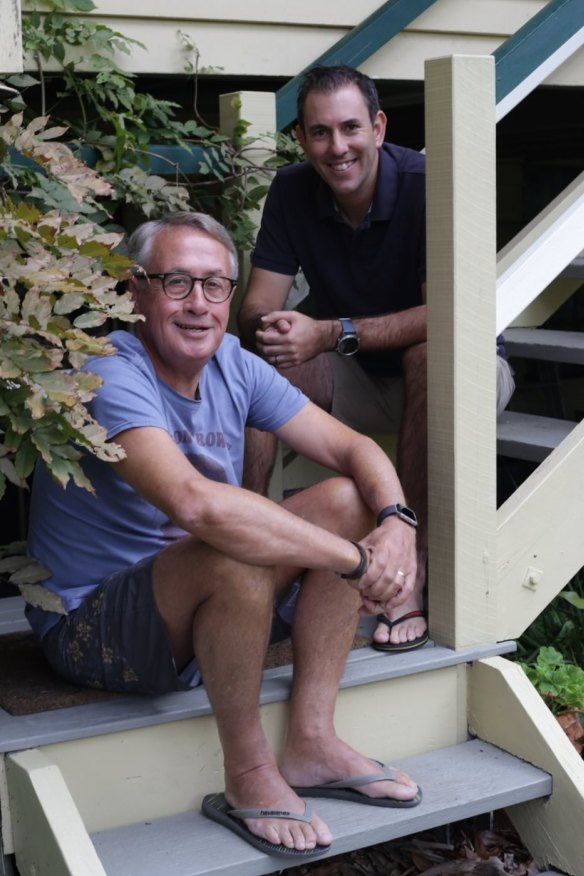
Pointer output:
337, 143
196, 298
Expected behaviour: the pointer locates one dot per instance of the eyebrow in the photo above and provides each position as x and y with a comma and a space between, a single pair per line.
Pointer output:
318, 125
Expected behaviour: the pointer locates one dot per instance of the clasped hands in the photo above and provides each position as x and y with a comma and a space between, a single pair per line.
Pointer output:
391, 574
287, 338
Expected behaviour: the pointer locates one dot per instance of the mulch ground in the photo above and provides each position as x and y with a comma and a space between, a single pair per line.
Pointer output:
486, 846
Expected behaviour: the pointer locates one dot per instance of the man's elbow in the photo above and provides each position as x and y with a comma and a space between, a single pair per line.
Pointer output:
247, 324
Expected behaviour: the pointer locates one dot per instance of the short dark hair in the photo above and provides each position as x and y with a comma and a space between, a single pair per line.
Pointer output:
328, 79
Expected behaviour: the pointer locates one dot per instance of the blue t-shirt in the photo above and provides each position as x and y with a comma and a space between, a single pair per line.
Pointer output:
376, 268
83, 537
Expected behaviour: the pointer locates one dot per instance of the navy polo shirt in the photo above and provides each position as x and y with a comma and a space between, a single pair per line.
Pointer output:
374, 269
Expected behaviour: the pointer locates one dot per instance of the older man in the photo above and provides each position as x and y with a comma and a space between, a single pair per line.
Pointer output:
171, 571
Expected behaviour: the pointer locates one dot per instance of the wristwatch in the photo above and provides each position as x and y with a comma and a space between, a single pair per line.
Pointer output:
348, 340
405, 514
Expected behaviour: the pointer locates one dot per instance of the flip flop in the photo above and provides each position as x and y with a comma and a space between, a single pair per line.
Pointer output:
216, 807
400, 646
344, 789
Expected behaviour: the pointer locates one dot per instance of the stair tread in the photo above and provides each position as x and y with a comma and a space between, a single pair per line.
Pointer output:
131, 712
528, 436
458, 782
546, 344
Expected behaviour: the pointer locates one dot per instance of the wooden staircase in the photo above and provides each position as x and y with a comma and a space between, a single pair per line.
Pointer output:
114, 788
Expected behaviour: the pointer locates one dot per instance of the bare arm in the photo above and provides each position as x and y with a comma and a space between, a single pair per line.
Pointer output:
266, 291
237, 522
392, 546
295, 338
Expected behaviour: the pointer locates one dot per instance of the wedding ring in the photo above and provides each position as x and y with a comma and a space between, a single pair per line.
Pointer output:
276, 361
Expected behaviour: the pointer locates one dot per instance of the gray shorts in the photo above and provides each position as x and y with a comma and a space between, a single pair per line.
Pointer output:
366, 402
116, 639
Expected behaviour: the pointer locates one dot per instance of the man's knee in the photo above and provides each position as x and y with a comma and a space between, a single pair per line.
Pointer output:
315, 379
335, 504
415, 363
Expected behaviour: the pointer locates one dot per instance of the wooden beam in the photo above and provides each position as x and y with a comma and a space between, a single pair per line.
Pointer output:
49, 835
537, 49
535, 256
506, 710
354, 48
10, 37
460, 131
539, 538
258, 109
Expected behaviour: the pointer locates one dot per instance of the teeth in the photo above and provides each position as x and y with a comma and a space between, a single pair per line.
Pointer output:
343, 166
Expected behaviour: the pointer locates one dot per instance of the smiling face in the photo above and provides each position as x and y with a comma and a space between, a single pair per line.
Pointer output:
181, 336
342, 143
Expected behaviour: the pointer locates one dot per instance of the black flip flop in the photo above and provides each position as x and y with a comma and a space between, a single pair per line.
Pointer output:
396, 647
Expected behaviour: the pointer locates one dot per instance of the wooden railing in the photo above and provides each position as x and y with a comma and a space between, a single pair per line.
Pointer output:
491, 571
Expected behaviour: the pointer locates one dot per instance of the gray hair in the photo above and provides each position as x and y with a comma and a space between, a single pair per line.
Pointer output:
139, 244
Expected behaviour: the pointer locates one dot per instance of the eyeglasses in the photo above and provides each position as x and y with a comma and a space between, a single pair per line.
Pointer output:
178, 285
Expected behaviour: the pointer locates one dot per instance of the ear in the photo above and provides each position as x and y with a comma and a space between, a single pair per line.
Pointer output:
379, 126
300, 136
134, 289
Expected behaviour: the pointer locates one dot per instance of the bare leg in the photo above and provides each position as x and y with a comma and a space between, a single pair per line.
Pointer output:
315, 379
413, 472
233, 597
325, 621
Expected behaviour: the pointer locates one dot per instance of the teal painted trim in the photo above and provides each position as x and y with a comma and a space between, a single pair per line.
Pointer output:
354, 48
535, 42
164, 160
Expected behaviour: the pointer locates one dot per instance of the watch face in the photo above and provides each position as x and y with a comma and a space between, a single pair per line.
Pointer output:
348, 345
407, 514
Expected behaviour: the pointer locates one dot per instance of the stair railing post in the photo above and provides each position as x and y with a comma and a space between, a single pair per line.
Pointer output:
10, 37
461, 239
258, 108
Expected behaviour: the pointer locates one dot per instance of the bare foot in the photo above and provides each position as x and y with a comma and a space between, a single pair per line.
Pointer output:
412, 628
265, 788
407, 630
316, 763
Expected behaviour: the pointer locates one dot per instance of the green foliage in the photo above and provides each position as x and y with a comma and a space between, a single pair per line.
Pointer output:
561, 622
561, 684
59, 272
123, 125
59, 222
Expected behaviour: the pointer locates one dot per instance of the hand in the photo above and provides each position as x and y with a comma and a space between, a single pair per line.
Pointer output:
287, 338
391, 573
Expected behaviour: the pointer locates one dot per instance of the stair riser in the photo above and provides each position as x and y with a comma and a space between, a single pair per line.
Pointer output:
166, 769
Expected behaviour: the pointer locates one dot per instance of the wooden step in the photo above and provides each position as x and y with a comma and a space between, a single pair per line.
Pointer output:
545, 344
458, 782
530, 437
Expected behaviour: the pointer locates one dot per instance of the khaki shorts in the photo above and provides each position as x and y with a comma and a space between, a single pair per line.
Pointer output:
370, 403
364, 401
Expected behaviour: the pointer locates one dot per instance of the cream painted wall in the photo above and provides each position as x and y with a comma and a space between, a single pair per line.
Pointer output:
10, 42
280, 39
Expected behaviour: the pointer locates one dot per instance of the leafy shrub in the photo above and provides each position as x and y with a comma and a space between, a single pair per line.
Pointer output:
59, 274
560, 684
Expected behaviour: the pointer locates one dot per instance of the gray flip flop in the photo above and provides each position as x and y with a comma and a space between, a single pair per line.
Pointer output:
216, 807
344, 789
